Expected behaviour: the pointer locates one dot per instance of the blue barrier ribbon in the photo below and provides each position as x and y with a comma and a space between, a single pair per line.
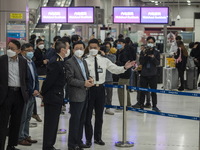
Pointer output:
156, 113
156, 91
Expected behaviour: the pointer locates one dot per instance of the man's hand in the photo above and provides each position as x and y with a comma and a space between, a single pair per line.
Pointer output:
36, 93
45, 61
88, 83
129, 64
91, 80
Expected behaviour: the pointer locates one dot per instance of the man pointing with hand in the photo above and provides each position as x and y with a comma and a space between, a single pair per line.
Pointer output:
98, 65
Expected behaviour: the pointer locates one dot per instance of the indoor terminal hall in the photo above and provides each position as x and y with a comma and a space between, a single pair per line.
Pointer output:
99, 74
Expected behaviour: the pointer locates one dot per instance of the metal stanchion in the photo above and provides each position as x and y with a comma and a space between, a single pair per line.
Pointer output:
124, 143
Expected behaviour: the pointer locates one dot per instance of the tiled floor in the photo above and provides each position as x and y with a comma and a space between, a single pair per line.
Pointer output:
148, 132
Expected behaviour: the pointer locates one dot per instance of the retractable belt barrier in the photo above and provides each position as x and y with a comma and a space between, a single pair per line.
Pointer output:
150, 90
156, 91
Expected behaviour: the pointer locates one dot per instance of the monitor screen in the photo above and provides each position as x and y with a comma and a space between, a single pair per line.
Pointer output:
155, 15
53, 14
126, 14
80, 14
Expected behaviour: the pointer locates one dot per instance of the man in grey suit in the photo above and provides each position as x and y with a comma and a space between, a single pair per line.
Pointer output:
78, 81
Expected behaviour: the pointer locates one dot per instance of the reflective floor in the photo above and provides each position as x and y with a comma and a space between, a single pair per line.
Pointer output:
148, 132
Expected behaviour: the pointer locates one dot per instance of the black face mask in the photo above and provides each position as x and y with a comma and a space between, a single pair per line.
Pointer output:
107, 50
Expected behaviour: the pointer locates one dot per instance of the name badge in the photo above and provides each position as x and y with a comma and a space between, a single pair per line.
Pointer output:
100, 70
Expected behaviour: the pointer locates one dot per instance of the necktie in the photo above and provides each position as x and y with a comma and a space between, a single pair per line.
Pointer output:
96, 68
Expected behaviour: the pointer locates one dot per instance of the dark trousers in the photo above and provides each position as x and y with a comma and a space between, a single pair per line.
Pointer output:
148, 82
35, 108
181, 76
76, 122
10, 115
96, 102
51, 120
147, 94
108, 94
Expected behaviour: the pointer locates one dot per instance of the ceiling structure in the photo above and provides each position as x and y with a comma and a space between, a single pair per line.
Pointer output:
170, 2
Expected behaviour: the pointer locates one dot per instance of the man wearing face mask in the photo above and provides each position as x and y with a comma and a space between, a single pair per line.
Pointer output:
98, 65
149, 59
24, 138
39, 57
13, 94
79, 82
124, 78
53, 94
109, 78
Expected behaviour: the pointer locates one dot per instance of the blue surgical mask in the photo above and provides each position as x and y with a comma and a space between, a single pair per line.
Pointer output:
29, 55
119, 46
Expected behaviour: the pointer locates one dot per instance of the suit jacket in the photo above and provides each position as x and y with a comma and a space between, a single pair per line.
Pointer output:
76, 80
53, 87
4, 78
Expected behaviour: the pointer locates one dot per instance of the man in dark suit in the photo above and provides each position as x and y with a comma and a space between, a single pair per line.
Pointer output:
78, 81
33, 86
13, 93
53, 94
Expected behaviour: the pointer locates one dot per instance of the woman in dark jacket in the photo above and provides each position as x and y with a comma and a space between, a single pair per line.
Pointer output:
181, 60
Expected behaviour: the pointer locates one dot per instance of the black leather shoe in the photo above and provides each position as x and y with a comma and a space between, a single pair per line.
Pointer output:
11, 148
100, 142
84, 146
75, 148
88, 143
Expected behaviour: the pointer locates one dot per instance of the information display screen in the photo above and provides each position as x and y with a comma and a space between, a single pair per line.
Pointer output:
126, 14
80, 15
155, 15
53, 14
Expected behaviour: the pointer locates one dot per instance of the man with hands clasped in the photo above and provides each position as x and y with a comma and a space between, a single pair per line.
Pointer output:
98, 65
78, 82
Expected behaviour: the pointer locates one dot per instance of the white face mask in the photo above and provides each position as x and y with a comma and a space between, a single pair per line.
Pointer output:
68, 53
79, 53
93, 52
11, 53
41, 46
150, 44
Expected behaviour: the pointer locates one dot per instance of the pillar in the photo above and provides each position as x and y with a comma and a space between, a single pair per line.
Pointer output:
15, 12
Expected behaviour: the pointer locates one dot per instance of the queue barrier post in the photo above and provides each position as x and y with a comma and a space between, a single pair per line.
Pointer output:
124, 142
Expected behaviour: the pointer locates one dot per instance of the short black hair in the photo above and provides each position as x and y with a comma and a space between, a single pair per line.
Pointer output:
39, 40
63, 40
107, 39
16, 42
78, 42
179, 38
93, 41
127, 40
26, 45
120, 36
151, 37
33, 36
121, 40
74, 38
56, 38
59, 45
107, 43
191, 44
67, 39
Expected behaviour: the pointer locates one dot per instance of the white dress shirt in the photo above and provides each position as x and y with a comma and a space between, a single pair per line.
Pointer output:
13, 73
104, 64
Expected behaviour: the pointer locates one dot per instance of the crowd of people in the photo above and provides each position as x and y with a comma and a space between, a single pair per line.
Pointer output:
75, 71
